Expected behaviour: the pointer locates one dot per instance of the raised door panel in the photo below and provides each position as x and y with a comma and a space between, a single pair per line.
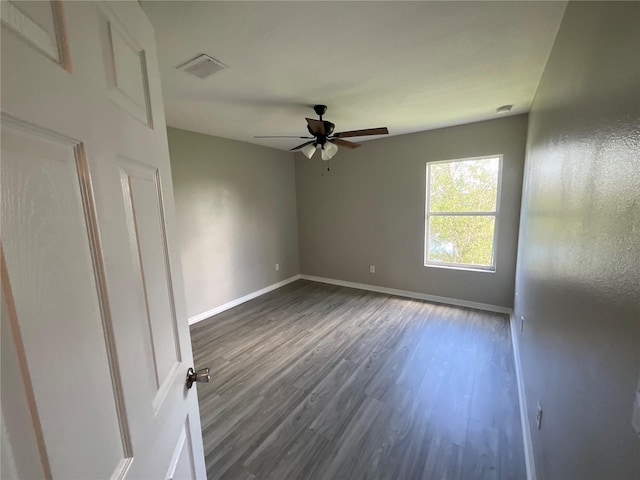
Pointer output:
56, 306
146, 232
125, 67
182, 465
24, 461
40, 24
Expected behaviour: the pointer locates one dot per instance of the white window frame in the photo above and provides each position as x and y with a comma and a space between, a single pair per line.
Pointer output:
496, 214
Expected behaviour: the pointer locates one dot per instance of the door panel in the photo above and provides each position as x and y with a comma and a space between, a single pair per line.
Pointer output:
125, 68
182, 465
40, 24
146, 232
57, 302
22, 418
95, 336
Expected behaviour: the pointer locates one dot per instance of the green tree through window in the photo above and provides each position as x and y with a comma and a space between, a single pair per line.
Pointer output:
462, 206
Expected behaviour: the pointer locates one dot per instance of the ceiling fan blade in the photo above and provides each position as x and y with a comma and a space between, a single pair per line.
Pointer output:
316, 126
279, 136
363, 133
300, 146
344, 143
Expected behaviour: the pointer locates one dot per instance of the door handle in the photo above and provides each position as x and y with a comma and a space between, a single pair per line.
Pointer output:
201, 375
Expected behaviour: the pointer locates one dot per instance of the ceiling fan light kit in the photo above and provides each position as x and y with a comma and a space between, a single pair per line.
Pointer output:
329, 150
324, 139
308, 150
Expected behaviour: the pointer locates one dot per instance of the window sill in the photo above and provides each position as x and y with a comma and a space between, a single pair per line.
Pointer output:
460, 267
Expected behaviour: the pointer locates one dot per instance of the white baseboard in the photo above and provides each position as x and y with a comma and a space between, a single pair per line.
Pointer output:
526, 429
238, 301
405, 293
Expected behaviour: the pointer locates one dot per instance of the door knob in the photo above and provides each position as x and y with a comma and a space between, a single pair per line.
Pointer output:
201, 375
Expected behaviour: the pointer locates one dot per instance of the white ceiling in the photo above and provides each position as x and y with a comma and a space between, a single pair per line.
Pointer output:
409, 66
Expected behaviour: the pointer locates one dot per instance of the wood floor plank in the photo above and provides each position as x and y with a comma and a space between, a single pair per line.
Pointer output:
274, 447
444, 461
366, 457
455, 400
253, 430
382, 329
420, 358
325, 355
316, 381
412, 429
482, 452
386, 376
238, 472
303, 457
347, 455
341, 405
397, 397
228, 414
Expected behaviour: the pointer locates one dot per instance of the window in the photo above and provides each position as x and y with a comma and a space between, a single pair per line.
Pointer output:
461, 213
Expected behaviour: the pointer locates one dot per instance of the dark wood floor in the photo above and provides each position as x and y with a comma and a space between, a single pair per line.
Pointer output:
319, 381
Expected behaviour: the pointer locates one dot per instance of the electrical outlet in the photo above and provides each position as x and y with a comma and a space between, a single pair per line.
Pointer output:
522, 323
372, 268
539, 416
277, 266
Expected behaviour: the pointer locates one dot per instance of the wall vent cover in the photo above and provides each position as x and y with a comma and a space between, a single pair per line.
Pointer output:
202, 66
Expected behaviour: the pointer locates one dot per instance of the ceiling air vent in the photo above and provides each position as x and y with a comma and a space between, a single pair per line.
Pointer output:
202, 66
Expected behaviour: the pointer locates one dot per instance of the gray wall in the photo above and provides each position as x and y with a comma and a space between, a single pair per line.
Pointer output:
579, 259
369, 210
236, 212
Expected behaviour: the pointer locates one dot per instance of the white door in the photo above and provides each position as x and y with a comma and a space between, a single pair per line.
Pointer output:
95, 340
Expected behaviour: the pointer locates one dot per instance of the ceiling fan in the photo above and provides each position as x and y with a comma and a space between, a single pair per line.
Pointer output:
324, 139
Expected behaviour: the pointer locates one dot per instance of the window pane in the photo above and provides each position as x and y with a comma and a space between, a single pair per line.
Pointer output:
464, 186
463, 240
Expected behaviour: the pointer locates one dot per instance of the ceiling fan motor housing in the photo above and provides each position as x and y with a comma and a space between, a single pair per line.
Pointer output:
328, 129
